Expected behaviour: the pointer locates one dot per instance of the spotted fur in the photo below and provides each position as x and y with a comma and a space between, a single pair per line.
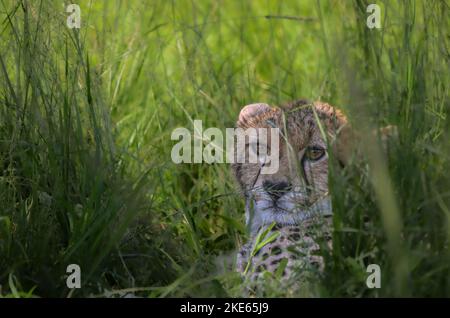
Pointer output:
299, 227
295, 249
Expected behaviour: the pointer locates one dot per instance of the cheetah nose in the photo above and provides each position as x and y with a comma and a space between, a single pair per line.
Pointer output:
276, 189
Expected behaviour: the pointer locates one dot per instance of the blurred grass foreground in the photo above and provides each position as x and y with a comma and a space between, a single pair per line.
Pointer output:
86, 116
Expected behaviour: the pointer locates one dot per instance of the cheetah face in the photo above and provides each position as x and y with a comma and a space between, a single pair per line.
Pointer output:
300, 186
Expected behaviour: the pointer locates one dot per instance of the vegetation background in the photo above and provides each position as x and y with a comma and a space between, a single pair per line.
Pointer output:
85, 123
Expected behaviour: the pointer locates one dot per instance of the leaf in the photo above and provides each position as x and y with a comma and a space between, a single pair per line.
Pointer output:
281, 267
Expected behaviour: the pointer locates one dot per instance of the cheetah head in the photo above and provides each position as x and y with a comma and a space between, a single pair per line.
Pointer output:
299, 187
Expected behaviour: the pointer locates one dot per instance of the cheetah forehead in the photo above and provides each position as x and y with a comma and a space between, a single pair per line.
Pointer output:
298, 117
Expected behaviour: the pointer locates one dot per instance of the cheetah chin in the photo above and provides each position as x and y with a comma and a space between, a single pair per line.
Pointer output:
266, 214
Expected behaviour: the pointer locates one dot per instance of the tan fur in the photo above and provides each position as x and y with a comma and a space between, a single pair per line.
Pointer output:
300, 123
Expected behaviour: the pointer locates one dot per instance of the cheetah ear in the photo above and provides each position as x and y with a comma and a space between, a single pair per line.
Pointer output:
387, 133
251, 111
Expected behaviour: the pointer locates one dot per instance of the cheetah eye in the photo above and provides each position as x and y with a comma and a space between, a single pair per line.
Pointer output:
260, 150
253, 148
314, 153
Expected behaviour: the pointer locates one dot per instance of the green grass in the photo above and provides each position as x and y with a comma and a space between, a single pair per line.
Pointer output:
85, 123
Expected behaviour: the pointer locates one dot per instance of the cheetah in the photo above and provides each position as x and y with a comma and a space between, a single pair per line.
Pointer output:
291, 207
